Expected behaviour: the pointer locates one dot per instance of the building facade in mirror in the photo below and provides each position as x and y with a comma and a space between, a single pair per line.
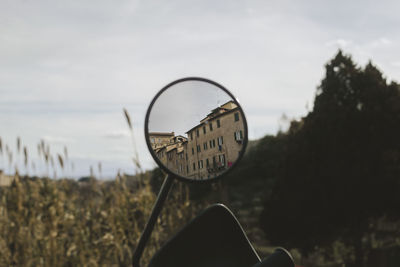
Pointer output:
209, 148
160, 139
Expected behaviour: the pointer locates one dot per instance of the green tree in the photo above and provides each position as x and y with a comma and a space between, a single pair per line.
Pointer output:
340, 164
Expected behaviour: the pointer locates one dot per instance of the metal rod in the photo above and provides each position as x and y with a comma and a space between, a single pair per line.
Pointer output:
162, 195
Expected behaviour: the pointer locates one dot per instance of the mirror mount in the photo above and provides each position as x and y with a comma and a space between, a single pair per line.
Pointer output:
162, 196
215, 141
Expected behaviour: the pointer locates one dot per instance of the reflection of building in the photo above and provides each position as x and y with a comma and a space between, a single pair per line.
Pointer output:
211, 146
173, 155
158, 139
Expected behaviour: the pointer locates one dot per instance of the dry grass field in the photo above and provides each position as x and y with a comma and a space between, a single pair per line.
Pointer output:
46, 222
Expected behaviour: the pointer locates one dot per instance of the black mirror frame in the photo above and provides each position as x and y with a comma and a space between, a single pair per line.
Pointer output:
159, 163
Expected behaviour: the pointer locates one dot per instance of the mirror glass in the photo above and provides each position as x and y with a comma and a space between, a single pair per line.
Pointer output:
196, 130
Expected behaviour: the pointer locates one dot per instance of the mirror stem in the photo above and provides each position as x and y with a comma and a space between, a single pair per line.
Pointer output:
162, 195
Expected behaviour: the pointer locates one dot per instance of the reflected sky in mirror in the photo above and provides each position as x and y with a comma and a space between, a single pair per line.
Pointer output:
196, 130
181, 106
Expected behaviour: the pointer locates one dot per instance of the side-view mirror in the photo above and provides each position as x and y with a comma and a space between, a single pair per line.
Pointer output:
196, 131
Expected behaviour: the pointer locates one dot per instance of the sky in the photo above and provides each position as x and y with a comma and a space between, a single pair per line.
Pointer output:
68, 68
183, 105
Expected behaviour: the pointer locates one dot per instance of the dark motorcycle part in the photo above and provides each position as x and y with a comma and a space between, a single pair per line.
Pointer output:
213, 239
280, 258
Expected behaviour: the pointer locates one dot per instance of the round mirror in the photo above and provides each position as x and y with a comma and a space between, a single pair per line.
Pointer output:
195, 129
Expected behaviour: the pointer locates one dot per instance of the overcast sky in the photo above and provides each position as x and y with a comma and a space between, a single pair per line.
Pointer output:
67, 68
183, 105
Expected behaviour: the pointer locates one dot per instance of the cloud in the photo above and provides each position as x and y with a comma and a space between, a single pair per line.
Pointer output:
341, 43
57, 140
118, 134
396, 64
381, 42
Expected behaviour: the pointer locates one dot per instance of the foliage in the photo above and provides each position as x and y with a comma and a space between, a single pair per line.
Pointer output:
341, 163
259, 166
46, 222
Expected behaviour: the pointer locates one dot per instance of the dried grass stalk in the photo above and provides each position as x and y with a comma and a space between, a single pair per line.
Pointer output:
18, 144
25, 157
128, 119
65, 153
60, 161
136, 160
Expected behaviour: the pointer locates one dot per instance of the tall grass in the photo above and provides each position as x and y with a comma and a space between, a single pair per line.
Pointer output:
45, 222
21, 160
64, 222
135, 158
